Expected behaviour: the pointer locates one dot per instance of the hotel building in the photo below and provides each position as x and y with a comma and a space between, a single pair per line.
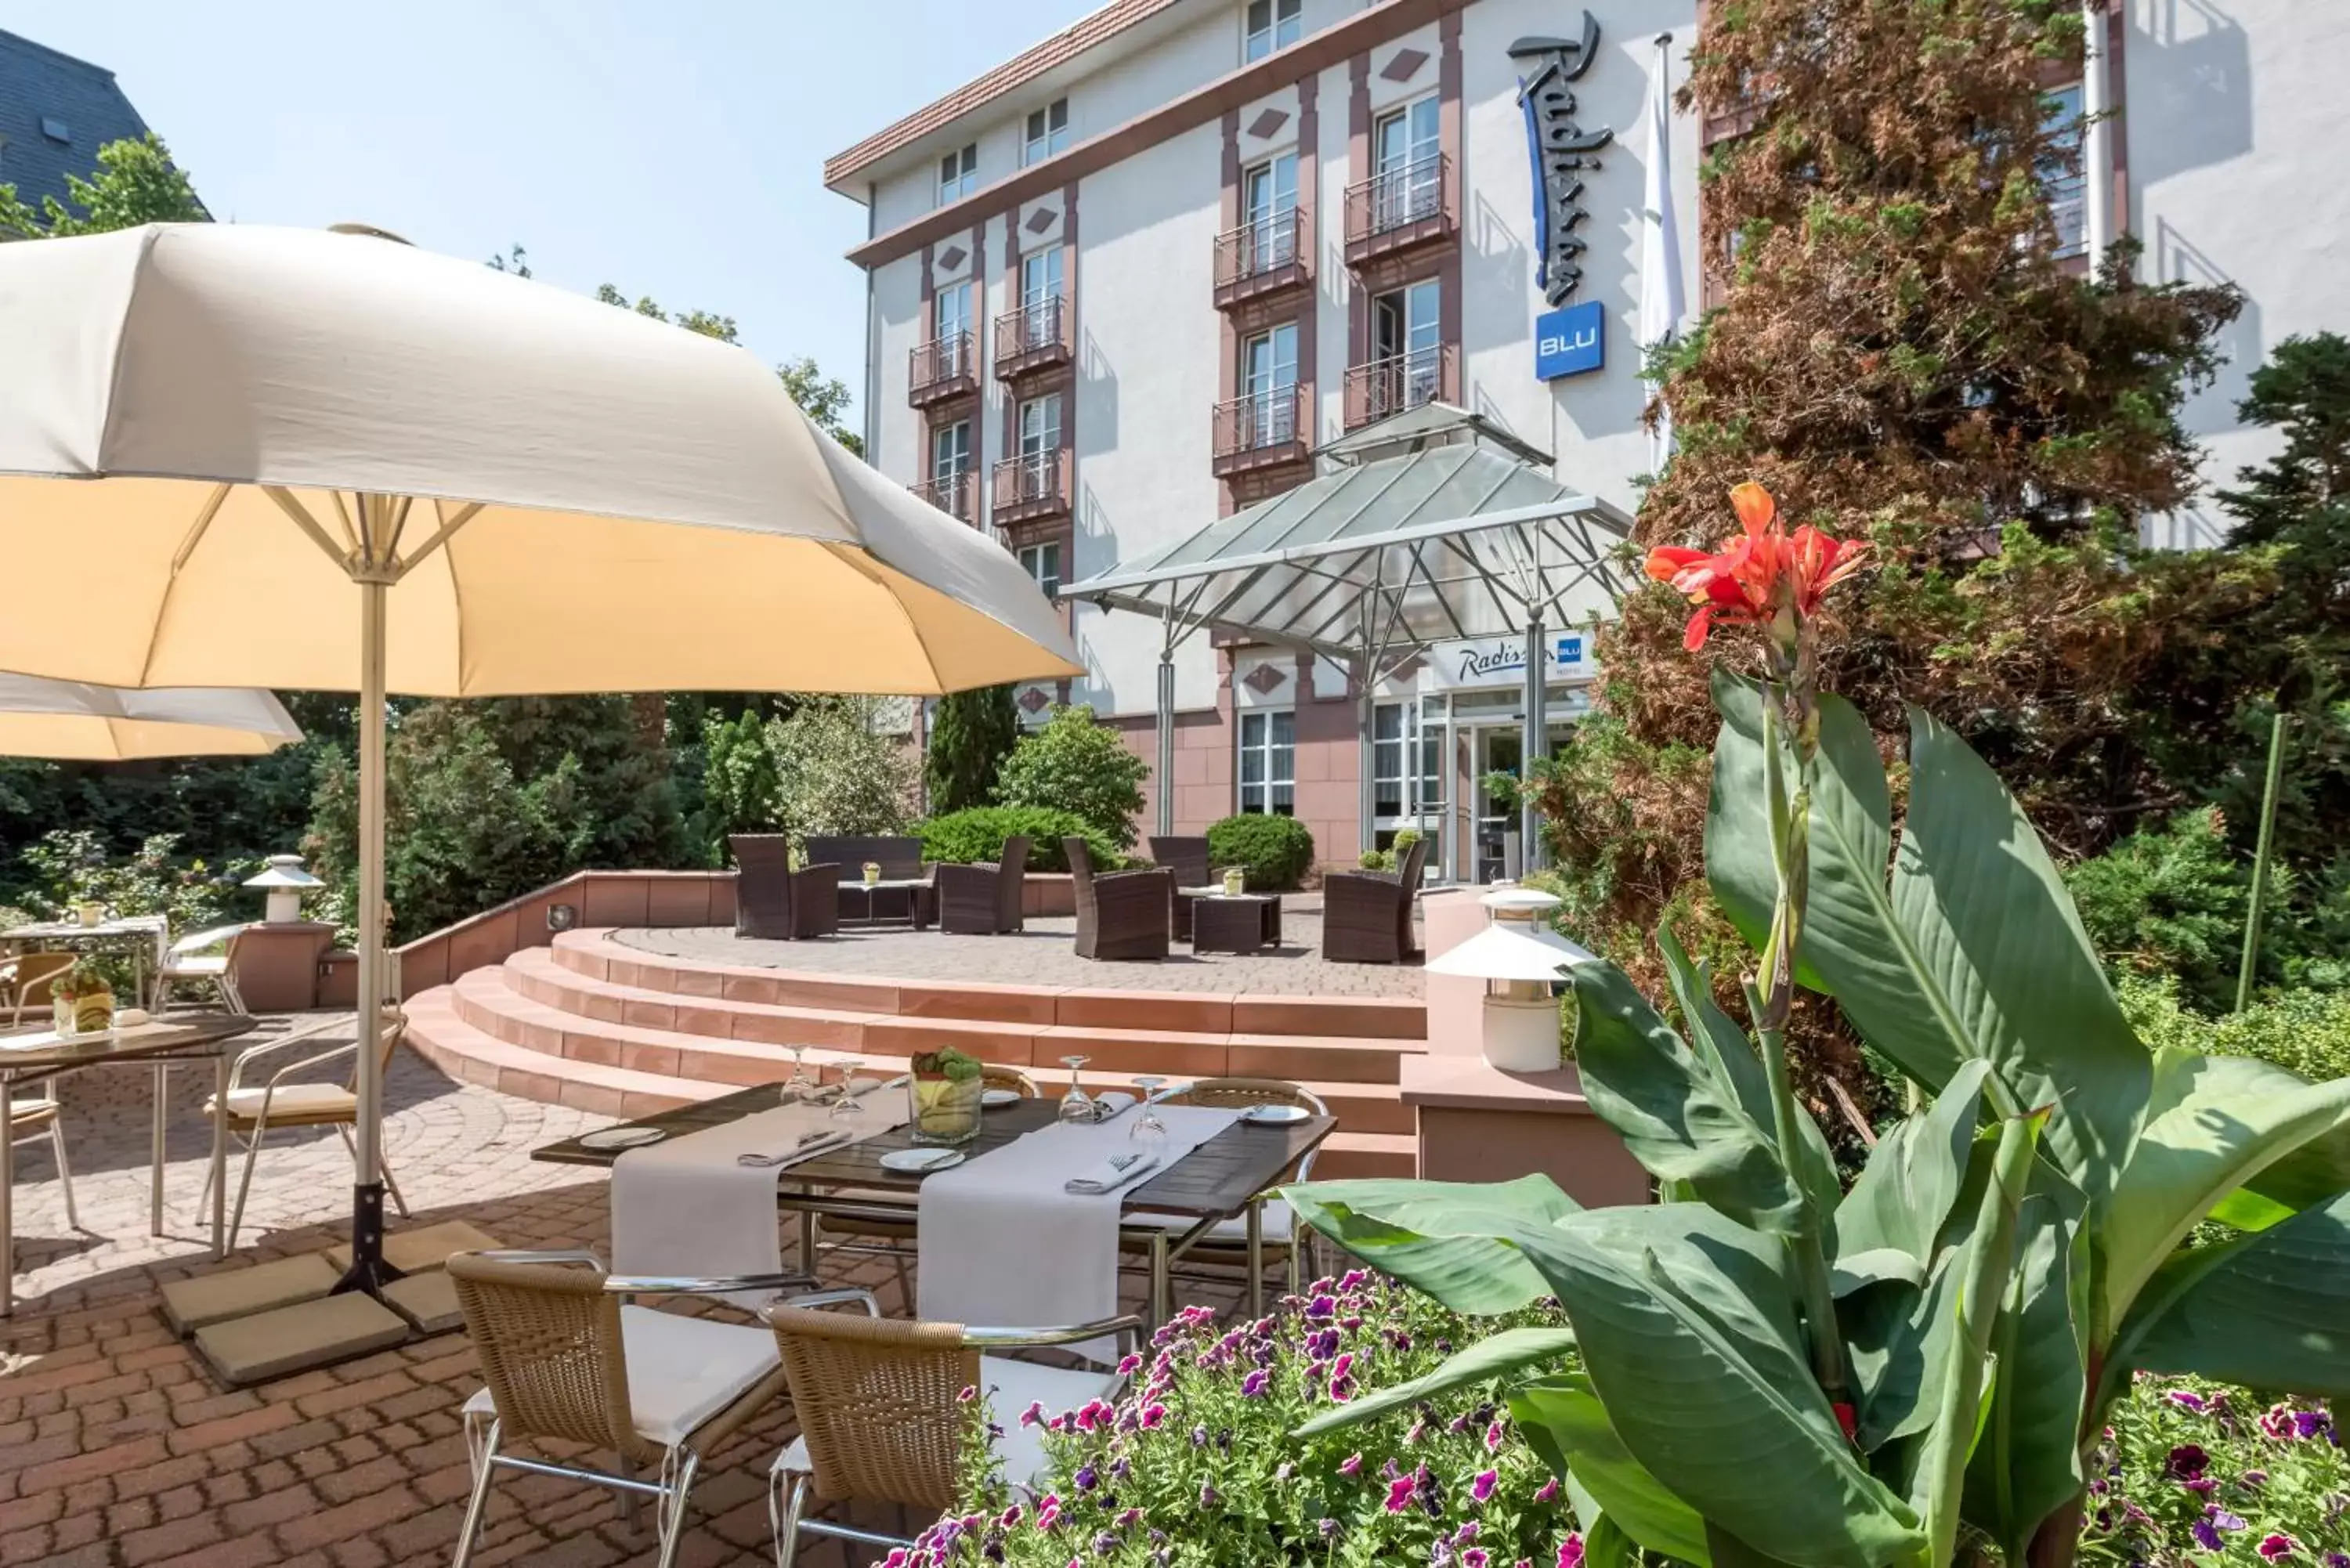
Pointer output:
1190, 255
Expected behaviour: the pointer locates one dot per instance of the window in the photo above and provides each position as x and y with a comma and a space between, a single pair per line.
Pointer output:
950, 452
1269, 763
1040, 427
1387, 759
950, 320
1269, 371
1048, 131
1268, 200
2063, 180
1043, 562
1407, 185
1407, 367
1041, 274
1270, 24
958, 174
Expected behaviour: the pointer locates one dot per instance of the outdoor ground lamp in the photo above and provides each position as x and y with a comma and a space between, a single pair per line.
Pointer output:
1519, 959
283, 879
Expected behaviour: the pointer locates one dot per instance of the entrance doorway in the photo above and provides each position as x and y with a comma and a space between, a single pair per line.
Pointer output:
1495, 748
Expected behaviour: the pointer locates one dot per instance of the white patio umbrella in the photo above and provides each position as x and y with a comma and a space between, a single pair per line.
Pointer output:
72, 720
321, 460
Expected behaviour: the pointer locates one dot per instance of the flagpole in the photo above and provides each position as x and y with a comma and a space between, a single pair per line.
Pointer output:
1661, 305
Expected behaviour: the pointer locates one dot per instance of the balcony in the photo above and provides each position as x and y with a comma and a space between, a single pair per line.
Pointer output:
1399, 209
956, 494
1262, 430
1392, 385
1030, 487
1260, 258
1034, 337
942, 370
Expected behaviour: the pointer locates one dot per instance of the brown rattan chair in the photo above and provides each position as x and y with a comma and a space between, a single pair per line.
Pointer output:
1120, 914
983, 901
1188, 858
900, 858
878, 1401
1367, 915
773, 900
564, 1360
1226, 1244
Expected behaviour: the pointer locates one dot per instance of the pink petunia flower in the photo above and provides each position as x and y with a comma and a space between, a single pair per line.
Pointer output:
1352, 1464
2277, 1547
1034, 1415
1570, 1551
1493, 1438
1481, 1487
1549, 1491
1399, 1492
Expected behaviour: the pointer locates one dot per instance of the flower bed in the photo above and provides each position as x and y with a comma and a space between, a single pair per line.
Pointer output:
1196, 1466
2197, 1471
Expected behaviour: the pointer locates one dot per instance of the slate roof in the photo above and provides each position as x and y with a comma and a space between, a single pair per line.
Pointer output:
42, 91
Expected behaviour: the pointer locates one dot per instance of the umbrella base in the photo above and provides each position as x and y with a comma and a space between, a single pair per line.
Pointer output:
369, 1271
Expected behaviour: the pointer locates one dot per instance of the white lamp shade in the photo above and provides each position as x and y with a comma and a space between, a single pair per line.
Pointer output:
1512, 950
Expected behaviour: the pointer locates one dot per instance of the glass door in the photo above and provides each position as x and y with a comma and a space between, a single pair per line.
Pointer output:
1269, 371
1410, 141
1498, 749
1040, 297
1269, 197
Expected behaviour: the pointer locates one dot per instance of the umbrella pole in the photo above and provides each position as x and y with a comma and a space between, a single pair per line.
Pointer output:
369, 1271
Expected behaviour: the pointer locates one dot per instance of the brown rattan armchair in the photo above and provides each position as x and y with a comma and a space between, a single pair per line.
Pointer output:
1226, 1246
773, 900
1120, 914
1367, 915
1188, 858
877, 1405
983, 901
565, 1361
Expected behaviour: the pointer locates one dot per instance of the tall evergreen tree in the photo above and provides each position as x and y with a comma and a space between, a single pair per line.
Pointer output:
971, 734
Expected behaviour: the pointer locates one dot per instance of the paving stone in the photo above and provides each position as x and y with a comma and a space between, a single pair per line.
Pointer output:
419, 1249
190, 1305
249, 1350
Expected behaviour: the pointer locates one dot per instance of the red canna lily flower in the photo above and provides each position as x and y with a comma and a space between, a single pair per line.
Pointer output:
1741, 584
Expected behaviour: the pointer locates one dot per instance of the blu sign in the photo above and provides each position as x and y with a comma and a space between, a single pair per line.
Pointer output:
1570, 341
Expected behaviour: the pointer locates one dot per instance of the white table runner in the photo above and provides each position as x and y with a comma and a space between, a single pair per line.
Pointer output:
687, 1206
1003, 1246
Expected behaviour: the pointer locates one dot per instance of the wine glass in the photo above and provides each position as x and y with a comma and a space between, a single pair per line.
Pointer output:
1148, 1136
1077, 1106
847, 1106
799, 1085
1149, 1087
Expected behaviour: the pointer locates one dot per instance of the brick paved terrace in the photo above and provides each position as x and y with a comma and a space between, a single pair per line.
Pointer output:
116, 1450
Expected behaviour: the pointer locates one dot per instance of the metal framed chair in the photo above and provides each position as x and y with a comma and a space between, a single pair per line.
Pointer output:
251, 1112
23, 973
563, 1359
877, 1400
1226, 1245
36, 1118
191, 960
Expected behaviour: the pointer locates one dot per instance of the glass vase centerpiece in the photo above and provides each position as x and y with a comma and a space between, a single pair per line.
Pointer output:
82, 1001
872, 872
1235, 882
943, 1094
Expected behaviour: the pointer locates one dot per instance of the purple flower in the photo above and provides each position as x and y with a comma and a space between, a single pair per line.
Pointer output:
2309, 1423
2253, 1477
1570, 1552
1207, 1496
1549, 1493
1493, 1438
1413, 1436
2201, 1486
2188, 1399
1328, 1528
1322, 1308
1353, 1280
2277, 1422
1473, 1558
2205, 1536
1104, 1544
2222, 1518
1034, 1415
970, 1393
1152, 1415
1119, 1470
2187, 1461
1352, 1464
1087, 1478
2276, 1547
1465, 1534
1341, 1379
1130, 1366
1322, 1344
1399, 1492
1048, 1512
1457, 1425
1198, 1436
1252, 1386
1439, 1556
1481, 1487
1129, 1519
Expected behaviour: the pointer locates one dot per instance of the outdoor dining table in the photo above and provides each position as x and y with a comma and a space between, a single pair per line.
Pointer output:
141, 935
28, 1056
1224, 1179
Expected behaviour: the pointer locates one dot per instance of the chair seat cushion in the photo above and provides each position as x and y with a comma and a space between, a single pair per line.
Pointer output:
293, 1103
195, 967
681, 1371
1012, 1387
1277, 1225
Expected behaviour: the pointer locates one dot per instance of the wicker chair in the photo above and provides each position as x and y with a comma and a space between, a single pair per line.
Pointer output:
900, 858
284, 1101
564, 1360
983, 901
1188, 858
1367, 915
1120, 914
773, 900
201, 958
880, 1419
1226, 1245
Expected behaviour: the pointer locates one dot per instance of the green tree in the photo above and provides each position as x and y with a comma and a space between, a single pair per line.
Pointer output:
597, 775
971, 734
135, 183
742, 788
824, 398
1079, 765
838, 773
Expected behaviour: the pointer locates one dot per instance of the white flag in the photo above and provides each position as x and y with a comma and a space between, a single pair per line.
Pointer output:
1661, 305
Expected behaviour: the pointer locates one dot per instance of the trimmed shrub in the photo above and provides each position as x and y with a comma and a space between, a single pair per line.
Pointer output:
1274, 850
976, 836
1076, 765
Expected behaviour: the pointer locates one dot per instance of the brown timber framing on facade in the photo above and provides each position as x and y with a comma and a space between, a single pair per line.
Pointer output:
1333, 45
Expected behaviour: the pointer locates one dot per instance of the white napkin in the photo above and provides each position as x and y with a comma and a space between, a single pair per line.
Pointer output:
1112, 1102
1116, 1171
688, 1207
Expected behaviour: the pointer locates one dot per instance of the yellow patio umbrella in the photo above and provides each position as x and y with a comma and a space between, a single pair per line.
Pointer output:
73, 721
235, 455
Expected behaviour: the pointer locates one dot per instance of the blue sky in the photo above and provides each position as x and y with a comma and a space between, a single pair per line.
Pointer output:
671, 149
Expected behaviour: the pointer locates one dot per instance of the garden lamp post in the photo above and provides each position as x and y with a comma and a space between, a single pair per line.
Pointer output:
284, 881
1519, 959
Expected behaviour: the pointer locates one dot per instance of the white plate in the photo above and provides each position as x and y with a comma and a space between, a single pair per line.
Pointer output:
921, 1161
623, 1137
1275, 1115
996, 1100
